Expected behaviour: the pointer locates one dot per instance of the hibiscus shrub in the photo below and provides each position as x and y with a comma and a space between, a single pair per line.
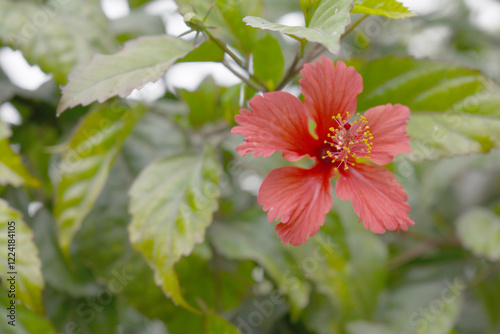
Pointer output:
340, 176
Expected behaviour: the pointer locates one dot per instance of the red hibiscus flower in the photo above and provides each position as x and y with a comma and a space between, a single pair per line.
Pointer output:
342, 144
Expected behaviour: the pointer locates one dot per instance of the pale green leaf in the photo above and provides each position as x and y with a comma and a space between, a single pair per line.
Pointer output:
479, 231
86, 162
27, 265
58, 36
424, 307
172, 202
252, 237
268, 61
140, 61
326, 26
12, 171
389, 8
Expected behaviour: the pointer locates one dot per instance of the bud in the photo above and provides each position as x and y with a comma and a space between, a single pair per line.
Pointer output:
194, 22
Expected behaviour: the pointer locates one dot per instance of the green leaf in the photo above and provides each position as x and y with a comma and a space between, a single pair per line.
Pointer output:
454, 109
233, 12
252, 237
424, 307
27, 321
172, 202
217, 325
489, 295
422, 85
58, 36
326, 26
209, 102
207, 51
389, 8
140, 61
12, 171
28, 280
362, 327
86, 162
352, 254
227, 17
268, 61
479, 231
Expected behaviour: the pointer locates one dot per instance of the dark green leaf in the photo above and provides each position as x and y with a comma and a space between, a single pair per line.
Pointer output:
12, 171
233, 13
268, 61
489, 294
217, 325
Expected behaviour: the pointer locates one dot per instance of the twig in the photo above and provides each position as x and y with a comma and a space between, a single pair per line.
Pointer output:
296, 67
248, 82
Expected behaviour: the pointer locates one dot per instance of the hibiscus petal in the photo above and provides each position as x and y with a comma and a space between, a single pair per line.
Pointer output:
300, 197
329, 91
277, 122
388, 126
377, 197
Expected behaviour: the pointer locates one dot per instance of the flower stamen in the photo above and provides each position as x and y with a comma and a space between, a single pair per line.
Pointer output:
348, 140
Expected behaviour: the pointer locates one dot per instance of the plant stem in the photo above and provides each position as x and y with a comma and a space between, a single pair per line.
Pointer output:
226, 49
245, 80
351, 28
296, 67
261, 86
289, 73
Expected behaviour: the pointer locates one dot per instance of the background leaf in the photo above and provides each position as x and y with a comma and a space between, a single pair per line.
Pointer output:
27, 321
12, 171
177, 195
29, 280
389, 8
453, 108
268, 61
479, 231
86, 162
209, 102
59, 36
326, 26
140, 61
217, 325
251, 237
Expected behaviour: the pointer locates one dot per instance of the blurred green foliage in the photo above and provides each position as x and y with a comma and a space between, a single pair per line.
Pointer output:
139, 217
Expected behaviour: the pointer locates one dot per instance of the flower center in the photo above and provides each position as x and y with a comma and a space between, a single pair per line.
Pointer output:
348, 141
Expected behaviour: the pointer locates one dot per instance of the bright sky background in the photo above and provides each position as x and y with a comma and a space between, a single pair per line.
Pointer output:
484, 14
